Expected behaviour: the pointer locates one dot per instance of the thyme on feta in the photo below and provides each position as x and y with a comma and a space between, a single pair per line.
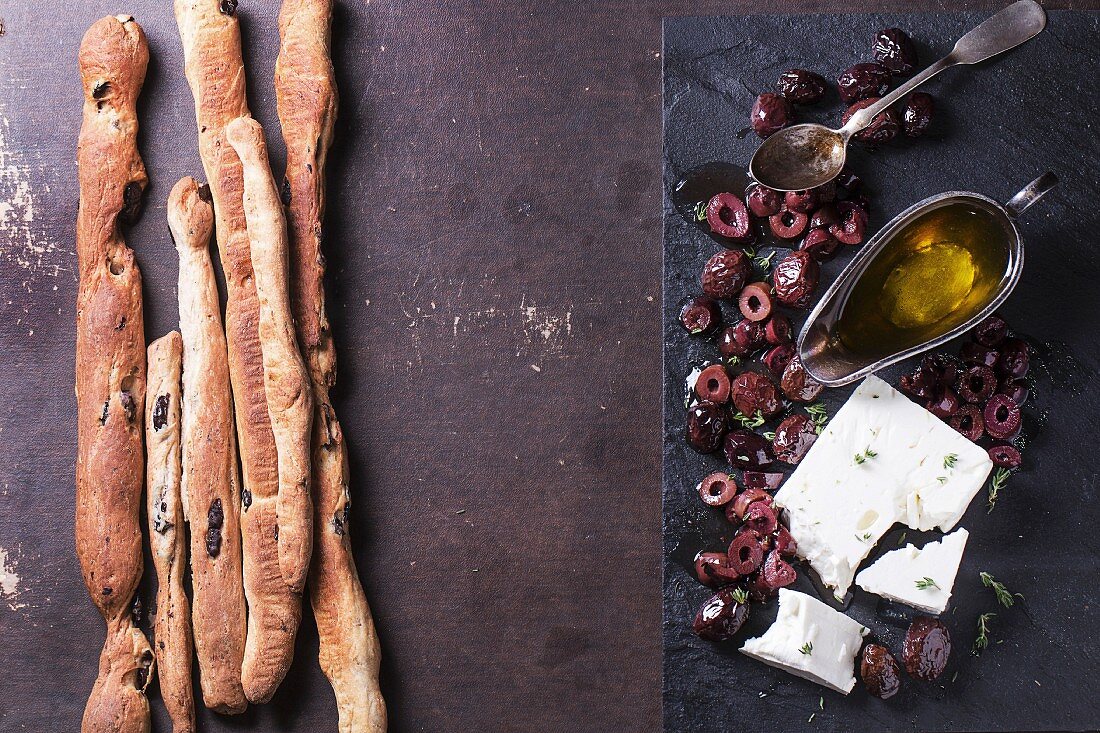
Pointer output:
950, 460
861, 458
925, 583
807, 648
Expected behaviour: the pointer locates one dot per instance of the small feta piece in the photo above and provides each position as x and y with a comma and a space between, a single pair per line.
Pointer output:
920, 578
881, 459
811, 640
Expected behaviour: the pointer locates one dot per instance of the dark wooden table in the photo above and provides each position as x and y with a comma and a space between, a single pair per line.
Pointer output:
494, 243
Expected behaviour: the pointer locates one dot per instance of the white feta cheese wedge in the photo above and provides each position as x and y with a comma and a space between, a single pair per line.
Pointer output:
811, 640
881, 459
920, 578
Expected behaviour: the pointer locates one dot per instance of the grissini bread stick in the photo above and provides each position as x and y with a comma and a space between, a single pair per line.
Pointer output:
215, 71
289, 395
167, 538
209, 459
305, 89
110, 368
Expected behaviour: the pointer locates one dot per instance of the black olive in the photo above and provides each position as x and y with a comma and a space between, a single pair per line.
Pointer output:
131, 202
160, 412
215, 518
128, 405
228, 7
99, 91
284, 192
246, 498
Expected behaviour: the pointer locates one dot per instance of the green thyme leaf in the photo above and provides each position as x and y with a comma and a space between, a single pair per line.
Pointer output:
807, 648
950, 460
1004, 596
982, 640
925, 583
755, 421
861, 458
1000, 477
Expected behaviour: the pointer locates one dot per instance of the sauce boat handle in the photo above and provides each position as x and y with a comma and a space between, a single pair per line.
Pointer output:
1030, 194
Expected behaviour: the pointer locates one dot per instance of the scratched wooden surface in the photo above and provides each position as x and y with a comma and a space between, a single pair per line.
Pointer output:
494, 244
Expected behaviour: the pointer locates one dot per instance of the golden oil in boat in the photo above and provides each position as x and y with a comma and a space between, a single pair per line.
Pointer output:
935, 273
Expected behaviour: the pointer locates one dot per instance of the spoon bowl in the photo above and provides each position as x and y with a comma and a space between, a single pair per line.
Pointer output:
800, 157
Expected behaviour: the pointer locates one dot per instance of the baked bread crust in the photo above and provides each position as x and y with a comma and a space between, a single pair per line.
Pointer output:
167, 538
305, 89
210, 488
286, 380
215, 71
110, 368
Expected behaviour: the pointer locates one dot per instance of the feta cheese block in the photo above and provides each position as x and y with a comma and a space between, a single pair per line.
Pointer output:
811, 640
920, 578
881, 459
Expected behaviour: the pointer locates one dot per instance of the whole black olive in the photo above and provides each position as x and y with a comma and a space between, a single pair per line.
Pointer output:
862, 81
894, 50
801, 86
918, 114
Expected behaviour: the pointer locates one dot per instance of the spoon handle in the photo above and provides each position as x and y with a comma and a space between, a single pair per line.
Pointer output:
1019, 22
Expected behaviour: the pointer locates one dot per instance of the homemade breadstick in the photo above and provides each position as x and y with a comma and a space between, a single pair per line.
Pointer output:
209, 459
289, 396
110, 368
305, 89
215, 72
166, 536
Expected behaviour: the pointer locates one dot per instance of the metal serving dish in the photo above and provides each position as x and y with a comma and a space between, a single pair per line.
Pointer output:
829, 361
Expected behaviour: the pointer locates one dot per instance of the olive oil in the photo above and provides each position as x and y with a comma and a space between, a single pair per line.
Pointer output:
935, 273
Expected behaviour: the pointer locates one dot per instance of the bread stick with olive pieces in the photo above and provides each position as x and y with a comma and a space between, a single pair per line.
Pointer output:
305, 89
167, 538
110, 368
289, 396
214, 68
210, 487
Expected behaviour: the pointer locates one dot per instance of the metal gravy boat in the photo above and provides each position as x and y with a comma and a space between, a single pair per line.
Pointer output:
825, 355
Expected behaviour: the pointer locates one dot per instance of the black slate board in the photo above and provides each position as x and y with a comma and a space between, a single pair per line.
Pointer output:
998, 126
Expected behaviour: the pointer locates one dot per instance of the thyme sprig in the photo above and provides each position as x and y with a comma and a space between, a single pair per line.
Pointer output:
1000, 478
861, 458
1004, 596
755, 421
925, 583
982, 640
818, 415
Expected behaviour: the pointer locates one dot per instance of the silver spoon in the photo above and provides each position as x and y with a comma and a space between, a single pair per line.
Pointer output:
808, 155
